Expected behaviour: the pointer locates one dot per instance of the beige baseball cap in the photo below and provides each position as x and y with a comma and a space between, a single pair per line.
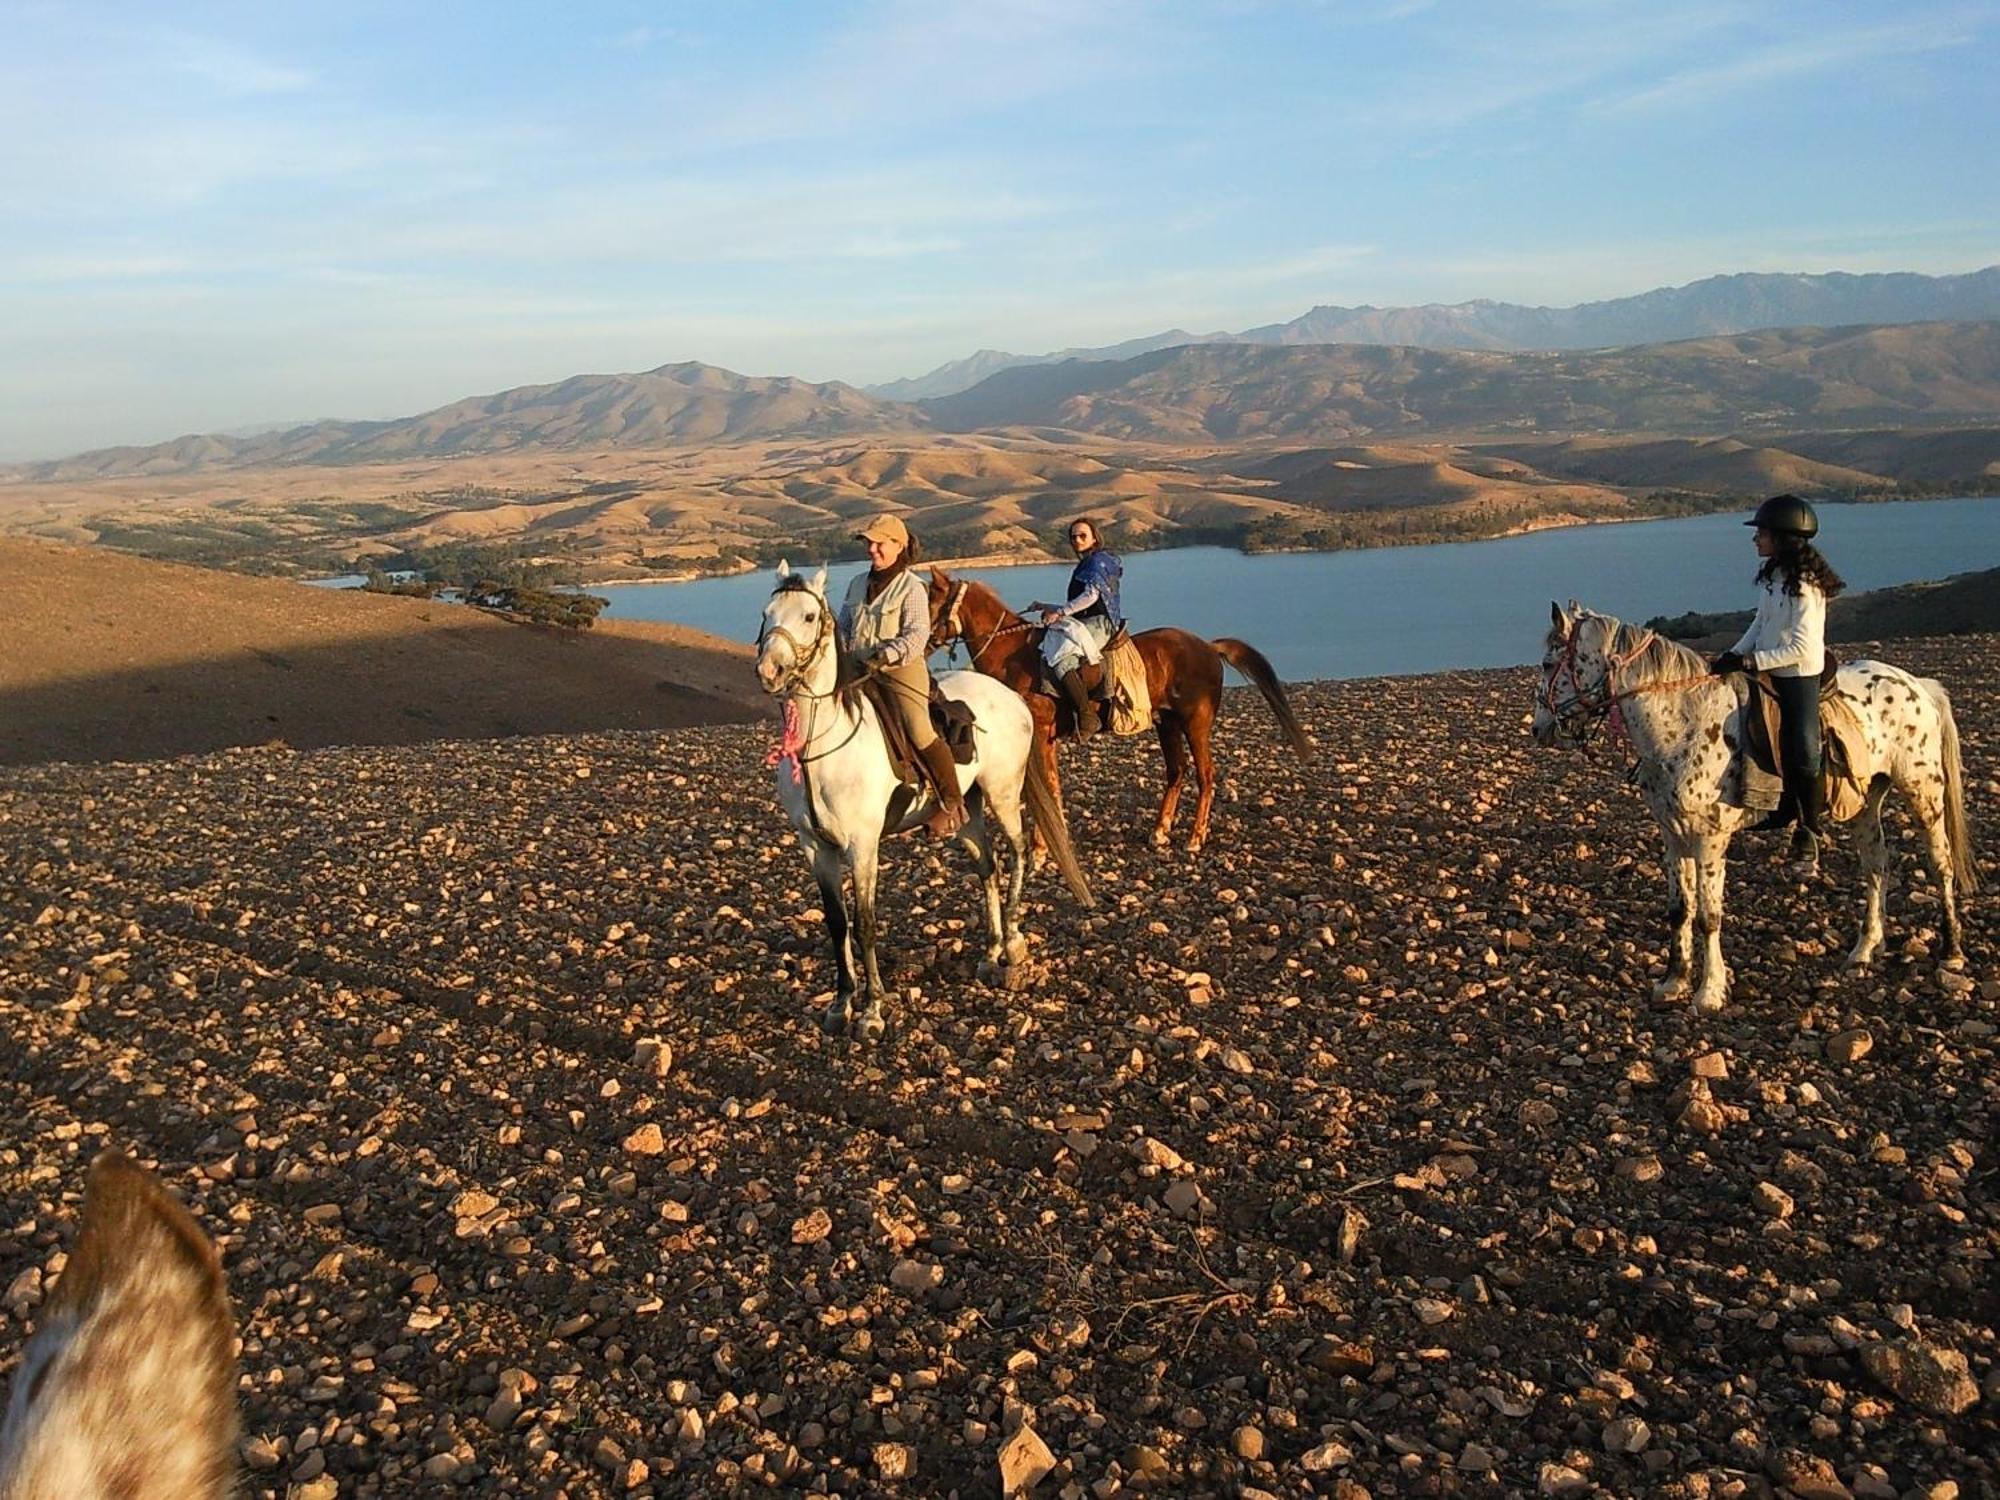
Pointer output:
886, 529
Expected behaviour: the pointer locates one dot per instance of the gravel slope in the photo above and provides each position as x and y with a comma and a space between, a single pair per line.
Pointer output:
1352, 1159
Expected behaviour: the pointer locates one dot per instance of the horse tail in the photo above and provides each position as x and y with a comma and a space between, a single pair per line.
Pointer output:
1958, 831
1248, 660
1046, 807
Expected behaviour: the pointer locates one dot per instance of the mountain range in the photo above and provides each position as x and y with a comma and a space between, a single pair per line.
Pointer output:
1915, 374
1716, 305
674, 406
1925, 374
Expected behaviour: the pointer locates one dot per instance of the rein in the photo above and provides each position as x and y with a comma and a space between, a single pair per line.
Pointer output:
1607, 707
795, 739
952, 629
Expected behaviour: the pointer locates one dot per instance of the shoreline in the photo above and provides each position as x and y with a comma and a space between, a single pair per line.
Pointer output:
1045, 558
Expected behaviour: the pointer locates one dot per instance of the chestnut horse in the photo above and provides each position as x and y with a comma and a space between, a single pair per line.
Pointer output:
1183, 674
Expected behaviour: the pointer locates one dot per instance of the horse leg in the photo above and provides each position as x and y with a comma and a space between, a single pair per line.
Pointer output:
978, 837
1707, 854
1199, 723
1874, 854
1927, 801
1168, 727
1005, 810
868, 1023
1681, 888
827, 871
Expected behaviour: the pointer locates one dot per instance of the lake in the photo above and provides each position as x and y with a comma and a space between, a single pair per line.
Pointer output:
1428, 609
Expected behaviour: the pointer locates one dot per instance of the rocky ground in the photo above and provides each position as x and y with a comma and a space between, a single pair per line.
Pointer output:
1350, 1159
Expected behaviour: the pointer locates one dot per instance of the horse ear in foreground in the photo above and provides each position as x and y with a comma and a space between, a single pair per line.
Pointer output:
128, 1387
1684, 724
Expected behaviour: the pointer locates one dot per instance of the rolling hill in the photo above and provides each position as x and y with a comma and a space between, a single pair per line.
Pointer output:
109, 657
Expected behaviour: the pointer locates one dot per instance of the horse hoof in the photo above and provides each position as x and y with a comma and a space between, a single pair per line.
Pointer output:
1710, 1005
1671, 991
1017, 950
1954, 961
1009, 977
870, 1026
835, 1017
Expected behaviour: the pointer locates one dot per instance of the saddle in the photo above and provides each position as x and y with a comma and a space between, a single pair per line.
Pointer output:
954, 722
1841, 739
1116, 683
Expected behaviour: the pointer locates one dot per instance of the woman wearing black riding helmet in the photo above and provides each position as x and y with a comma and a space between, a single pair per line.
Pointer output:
1787, 639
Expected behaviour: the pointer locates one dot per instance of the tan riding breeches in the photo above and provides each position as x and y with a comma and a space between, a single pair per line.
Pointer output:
910, 690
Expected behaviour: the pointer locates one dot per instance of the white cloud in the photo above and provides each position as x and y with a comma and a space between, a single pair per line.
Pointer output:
1814, 52
914, 63
224, 66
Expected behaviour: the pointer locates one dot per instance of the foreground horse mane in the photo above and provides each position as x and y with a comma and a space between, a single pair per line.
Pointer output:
129, 1385
1658, 659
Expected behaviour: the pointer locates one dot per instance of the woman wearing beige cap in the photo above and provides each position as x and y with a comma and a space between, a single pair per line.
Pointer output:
886, 623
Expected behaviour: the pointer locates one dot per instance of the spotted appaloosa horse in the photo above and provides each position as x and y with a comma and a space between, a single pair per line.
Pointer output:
129, 1385
1684, 725
1183, 675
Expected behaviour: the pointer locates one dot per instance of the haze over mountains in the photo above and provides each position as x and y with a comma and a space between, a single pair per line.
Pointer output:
1717, 304
1276, 443
677, 405
1925, 374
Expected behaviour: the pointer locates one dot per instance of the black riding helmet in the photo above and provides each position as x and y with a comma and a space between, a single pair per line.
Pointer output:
1786, 515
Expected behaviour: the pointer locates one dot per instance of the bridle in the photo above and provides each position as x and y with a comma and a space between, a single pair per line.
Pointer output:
1583, 711
951, 626
797, 734
804, 658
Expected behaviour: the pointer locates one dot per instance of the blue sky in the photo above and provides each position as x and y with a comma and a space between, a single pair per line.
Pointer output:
216, 215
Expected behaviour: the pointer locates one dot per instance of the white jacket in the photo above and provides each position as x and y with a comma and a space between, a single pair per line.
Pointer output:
1788, 637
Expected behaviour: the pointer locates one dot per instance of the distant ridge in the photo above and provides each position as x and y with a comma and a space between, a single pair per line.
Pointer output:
676, 405
1738, 303
1927, 374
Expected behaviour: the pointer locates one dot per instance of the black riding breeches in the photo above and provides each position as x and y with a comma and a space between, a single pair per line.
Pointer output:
1798, 731
1799, 750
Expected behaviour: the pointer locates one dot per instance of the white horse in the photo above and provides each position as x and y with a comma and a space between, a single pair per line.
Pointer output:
836, 783
129, 1385
1685, 724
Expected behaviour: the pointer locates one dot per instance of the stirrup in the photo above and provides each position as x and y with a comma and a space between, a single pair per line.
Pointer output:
1802, 860
946, 820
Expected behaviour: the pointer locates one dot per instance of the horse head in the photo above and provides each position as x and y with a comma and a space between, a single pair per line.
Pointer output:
796, 635
1574, 689
946, 598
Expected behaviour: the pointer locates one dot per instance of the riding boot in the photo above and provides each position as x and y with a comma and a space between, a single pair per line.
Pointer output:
1784, 815
949, 816
1807, 837
1080, 703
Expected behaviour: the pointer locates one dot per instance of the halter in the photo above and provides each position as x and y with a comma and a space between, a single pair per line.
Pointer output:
1585, 711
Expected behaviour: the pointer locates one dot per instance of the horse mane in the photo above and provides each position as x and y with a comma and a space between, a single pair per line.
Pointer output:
1654, 658
993, 594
